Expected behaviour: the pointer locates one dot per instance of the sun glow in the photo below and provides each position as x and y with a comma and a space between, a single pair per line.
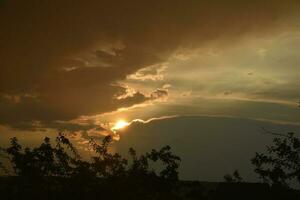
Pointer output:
119, 125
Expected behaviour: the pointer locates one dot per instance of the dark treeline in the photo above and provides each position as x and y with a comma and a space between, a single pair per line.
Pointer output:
56, 171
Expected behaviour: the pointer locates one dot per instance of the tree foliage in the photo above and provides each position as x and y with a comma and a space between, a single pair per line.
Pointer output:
59, 168
281, 162
63, 160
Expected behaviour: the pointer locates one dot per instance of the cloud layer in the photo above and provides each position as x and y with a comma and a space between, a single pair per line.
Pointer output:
64, 59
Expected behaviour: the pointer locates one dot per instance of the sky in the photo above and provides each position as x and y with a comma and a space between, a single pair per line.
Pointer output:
186, 69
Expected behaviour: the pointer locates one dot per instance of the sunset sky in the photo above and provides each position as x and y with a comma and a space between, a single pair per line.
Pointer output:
201, 76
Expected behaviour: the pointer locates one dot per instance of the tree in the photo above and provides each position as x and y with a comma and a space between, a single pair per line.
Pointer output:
106, 164
234, 178
63, 160
281, 162
169, 160
57, 169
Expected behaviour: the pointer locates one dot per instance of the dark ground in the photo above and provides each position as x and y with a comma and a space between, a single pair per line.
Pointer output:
17, 188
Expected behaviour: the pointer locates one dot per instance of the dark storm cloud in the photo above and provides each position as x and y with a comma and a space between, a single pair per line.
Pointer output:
62, 59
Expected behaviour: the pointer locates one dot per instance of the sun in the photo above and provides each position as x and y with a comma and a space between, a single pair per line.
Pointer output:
120, 124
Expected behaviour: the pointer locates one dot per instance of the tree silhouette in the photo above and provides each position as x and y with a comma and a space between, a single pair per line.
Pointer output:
169, 160
106, 164
281, 162
44, 160
234, 178
59, 171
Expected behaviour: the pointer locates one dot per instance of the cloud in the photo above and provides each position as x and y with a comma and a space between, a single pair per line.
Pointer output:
152, 119
239, 73
151, 73
62, 59
159, 94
